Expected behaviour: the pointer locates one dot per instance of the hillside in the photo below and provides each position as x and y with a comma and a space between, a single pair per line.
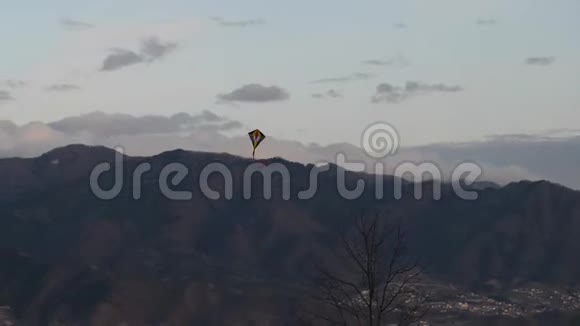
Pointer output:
67, 254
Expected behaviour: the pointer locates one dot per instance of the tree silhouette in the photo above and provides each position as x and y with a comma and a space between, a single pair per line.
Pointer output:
375, 280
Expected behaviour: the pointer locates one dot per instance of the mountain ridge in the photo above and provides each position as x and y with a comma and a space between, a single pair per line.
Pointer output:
117, 251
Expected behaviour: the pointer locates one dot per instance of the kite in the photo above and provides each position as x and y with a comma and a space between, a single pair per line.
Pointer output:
256, 136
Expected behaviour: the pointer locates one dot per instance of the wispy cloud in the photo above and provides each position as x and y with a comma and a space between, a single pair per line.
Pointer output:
540, 61
238, 23
75, 24
386, 92
353, 77
225, 126
62, 87
255, 93
486, 21
376, 62
5, 96
12, 83
398, 61
400, 26
151, 49
331, 93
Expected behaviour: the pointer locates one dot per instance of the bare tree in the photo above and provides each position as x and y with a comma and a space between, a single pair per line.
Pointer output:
374, 281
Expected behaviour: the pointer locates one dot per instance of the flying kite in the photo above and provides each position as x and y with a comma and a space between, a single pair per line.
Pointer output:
256, 136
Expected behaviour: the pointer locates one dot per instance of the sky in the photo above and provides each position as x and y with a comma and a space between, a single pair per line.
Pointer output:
311, 72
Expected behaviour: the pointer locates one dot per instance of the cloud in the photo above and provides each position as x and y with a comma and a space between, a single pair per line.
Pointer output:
376, 62
120, 58
139, 134
5, 96
13, 83
151, 49
386, 92
75, 24
207, 116
362, 75
333, 93
101, 124
540, 61
62, 87
398, 61
400, 25
353, 77
503, 158
255, 93
330, 93
547, 157
226, 126
486, 22
238, 23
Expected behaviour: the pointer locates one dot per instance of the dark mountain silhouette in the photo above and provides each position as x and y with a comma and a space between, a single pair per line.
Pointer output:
69, 255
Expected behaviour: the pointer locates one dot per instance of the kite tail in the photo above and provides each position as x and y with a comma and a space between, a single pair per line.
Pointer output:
254, 154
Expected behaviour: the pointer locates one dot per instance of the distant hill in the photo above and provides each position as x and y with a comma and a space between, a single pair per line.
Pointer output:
67, 254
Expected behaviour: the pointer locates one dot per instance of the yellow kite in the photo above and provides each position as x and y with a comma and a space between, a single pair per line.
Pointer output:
256, 136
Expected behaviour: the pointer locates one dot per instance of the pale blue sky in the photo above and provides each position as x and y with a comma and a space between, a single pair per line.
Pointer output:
302, 41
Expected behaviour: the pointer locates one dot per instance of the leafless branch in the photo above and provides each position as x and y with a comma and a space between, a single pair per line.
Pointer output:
382, 284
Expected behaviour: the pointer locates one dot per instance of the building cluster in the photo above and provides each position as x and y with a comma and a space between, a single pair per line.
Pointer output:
520, 302
6, 316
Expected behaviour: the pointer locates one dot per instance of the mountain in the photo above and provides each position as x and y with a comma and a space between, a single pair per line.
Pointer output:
68, 255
